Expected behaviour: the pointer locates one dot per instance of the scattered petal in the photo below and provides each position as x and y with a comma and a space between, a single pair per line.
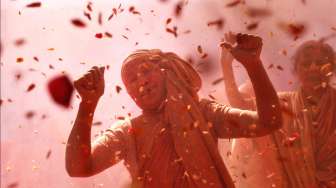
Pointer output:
172, 31
219, 23
36, 59
296, 30
258, 12
19, 60
48, 154
212, 97
168, 21
30, 114
217, 81
178, 8
99, 35
118, 89
100, 18
252, 26
19, 42
34, 5
61, 89
13, 185
109, 35
89, 6
30, 87
279, 67
199, 49
97, 123
133, 11
88, 15
78, 23
234, 3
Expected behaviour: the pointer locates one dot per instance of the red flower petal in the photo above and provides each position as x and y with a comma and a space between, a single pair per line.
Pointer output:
89, 6
48, 154
178, 8
219, 23
252, 26
199, 49
61, 89
99, 35
78, 23
19, 60
20, 42
88, 15
118, 89
100, 18
107, 34
30, 114
30, 87
34, 5
258, 12
36, 58
234, 3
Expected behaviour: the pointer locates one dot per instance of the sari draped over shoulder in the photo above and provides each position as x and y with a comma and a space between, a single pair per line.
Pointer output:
307, 141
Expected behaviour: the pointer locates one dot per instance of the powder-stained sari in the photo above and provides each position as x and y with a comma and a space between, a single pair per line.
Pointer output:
307, 143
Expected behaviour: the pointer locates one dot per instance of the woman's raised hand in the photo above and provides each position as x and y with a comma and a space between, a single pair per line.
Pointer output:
91, 86
248, 49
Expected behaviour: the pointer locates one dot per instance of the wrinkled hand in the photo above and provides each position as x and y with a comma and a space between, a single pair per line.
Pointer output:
248, 49
91, 86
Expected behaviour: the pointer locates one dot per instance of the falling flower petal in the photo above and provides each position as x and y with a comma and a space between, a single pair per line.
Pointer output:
30, 87
234, 3
30, 114
219, 23
252, 26
178, 8
61, 89
118, 89
34, 5
258, 12
48, 154
99, 35
19, 42
78, 23
19, 60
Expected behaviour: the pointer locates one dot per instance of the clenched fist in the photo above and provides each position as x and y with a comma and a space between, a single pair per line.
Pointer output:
248, 49
91, 86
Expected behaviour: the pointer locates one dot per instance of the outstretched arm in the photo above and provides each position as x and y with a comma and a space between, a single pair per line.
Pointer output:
83, 159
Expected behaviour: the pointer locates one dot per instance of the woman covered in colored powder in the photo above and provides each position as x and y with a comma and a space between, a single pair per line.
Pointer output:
173, 143
303, 152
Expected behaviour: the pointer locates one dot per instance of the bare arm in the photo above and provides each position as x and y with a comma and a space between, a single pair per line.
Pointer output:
268, 117
84, 159
234, 96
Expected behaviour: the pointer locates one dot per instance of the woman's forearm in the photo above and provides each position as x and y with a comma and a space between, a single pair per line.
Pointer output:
78, 150
268, 105
234, 96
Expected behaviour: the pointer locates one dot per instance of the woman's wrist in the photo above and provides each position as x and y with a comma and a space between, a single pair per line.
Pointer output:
254, 66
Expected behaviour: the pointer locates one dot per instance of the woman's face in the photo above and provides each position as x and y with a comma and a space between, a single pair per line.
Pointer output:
145, 83
314, 68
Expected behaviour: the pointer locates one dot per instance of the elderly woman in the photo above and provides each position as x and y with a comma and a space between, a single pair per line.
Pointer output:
306, 145
173, 143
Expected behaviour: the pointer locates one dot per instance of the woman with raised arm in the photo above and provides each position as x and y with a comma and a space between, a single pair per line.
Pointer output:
302, 153
173, 143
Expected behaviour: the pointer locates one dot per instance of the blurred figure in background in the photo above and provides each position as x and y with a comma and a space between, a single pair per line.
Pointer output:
303, 153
